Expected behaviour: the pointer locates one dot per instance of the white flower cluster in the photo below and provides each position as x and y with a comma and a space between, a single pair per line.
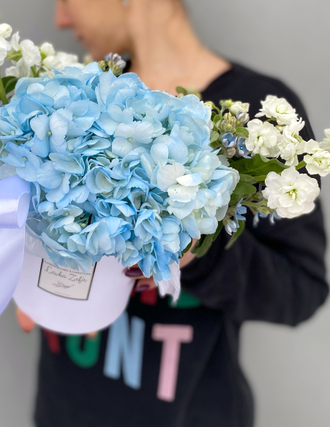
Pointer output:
291, 193
282, 140
5, 32
29, 60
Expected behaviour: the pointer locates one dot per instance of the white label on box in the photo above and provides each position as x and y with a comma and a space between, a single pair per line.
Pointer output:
64, 282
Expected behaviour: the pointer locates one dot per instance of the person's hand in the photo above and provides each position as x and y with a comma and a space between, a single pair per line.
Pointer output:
145, 283
27, 324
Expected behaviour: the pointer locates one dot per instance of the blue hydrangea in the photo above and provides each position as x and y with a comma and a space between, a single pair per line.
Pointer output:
116, 168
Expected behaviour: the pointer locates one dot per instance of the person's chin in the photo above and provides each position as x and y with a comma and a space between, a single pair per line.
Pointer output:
97, 56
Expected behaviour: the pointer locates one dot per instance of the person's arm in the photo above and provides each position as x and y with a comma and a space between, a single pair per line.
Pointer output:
272, 273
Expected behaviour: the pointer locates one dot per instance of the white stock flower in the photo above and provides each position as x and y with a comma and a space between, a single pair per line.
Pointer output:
47, 49
325, 144
25, 50
5, 30
318, 160
59, 61
291, 143
4, 49
30, 53
15, 41
292, 194
19, 70
239, 107
278, 109
263, 138
87, 59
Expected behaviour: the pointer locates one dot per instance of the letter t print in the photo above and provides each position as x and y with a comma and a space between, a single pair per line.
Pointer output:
172, 336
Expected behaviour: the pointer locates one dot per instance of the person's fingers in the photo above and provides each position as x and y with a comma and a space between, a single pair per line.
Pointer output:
134, 272
145, 284
25, 322
91, 335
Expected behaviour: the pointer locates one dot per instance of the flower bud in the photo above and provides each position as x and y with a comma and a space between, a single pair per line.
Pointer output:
210, 104
113, 62
258, 196
227, 116
5, 31
228, 124
264, 210
230, 152
242, 118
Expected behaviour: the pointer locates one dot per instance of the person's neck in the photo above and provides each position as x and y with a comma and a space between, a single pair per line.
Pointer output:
168, 56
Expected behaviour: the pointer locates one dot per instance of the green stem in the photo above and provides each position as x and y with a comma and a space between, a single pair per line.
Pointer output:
300, 165
255, 205
3, 96
34, 71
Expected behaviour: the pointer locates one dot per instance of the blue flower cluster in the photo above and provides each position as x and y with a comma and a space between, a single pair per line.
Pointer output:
236, 143
116, 168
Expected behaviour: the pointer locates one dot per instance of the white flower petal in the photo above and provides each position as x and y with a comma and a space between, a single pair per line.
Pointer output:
167, 175
173, 286
190, 180
159, 153
180, 193
121, 147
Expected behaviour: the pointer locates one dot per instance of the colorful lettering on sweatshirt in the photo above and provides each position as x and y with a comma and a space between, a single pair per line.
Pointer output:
125, 344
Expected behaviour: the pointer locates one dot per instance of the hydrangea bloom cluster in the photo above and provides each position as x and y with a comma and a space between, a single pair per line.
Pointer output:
116, 168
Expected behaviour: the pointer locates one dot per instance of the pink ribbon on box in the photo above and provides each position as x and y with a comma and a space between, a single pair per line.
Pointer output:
14, 208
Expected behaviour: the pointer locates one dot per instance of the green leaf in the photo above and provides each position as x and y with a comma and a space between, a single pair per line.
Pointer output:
244, 188
182, 90
258, 165
9, 83
187, 248
236, 235
240, 131
247, 178
217, 118
235, 198
205, 242
216, 234
215, 145
214, 136
202, 246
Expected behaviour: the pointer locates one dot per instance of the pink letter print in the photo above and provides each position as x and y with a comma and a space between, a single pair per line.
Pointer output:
172, 337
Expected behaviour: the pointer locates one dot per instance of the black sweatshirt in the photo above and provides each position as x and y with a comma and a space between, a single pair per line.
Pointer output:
165, 366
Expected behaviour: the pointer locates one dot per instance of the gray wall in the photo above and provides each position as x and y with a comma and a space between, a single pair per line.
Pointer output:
289, 369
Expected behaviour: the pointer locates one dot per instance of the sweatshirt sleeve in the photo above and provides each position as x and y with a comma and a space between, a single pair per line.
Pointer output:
274, 273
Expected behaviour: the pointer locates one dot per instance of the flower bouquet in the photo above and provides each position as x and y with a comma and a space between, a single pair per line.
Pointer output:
100, 173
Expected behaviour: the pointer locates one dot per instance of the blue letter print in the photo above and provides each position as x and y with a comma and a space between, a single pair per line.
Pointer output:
125, 350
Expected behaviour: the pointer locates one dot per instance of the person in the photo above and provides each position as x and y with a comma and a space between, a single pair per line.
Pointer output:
159, 364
